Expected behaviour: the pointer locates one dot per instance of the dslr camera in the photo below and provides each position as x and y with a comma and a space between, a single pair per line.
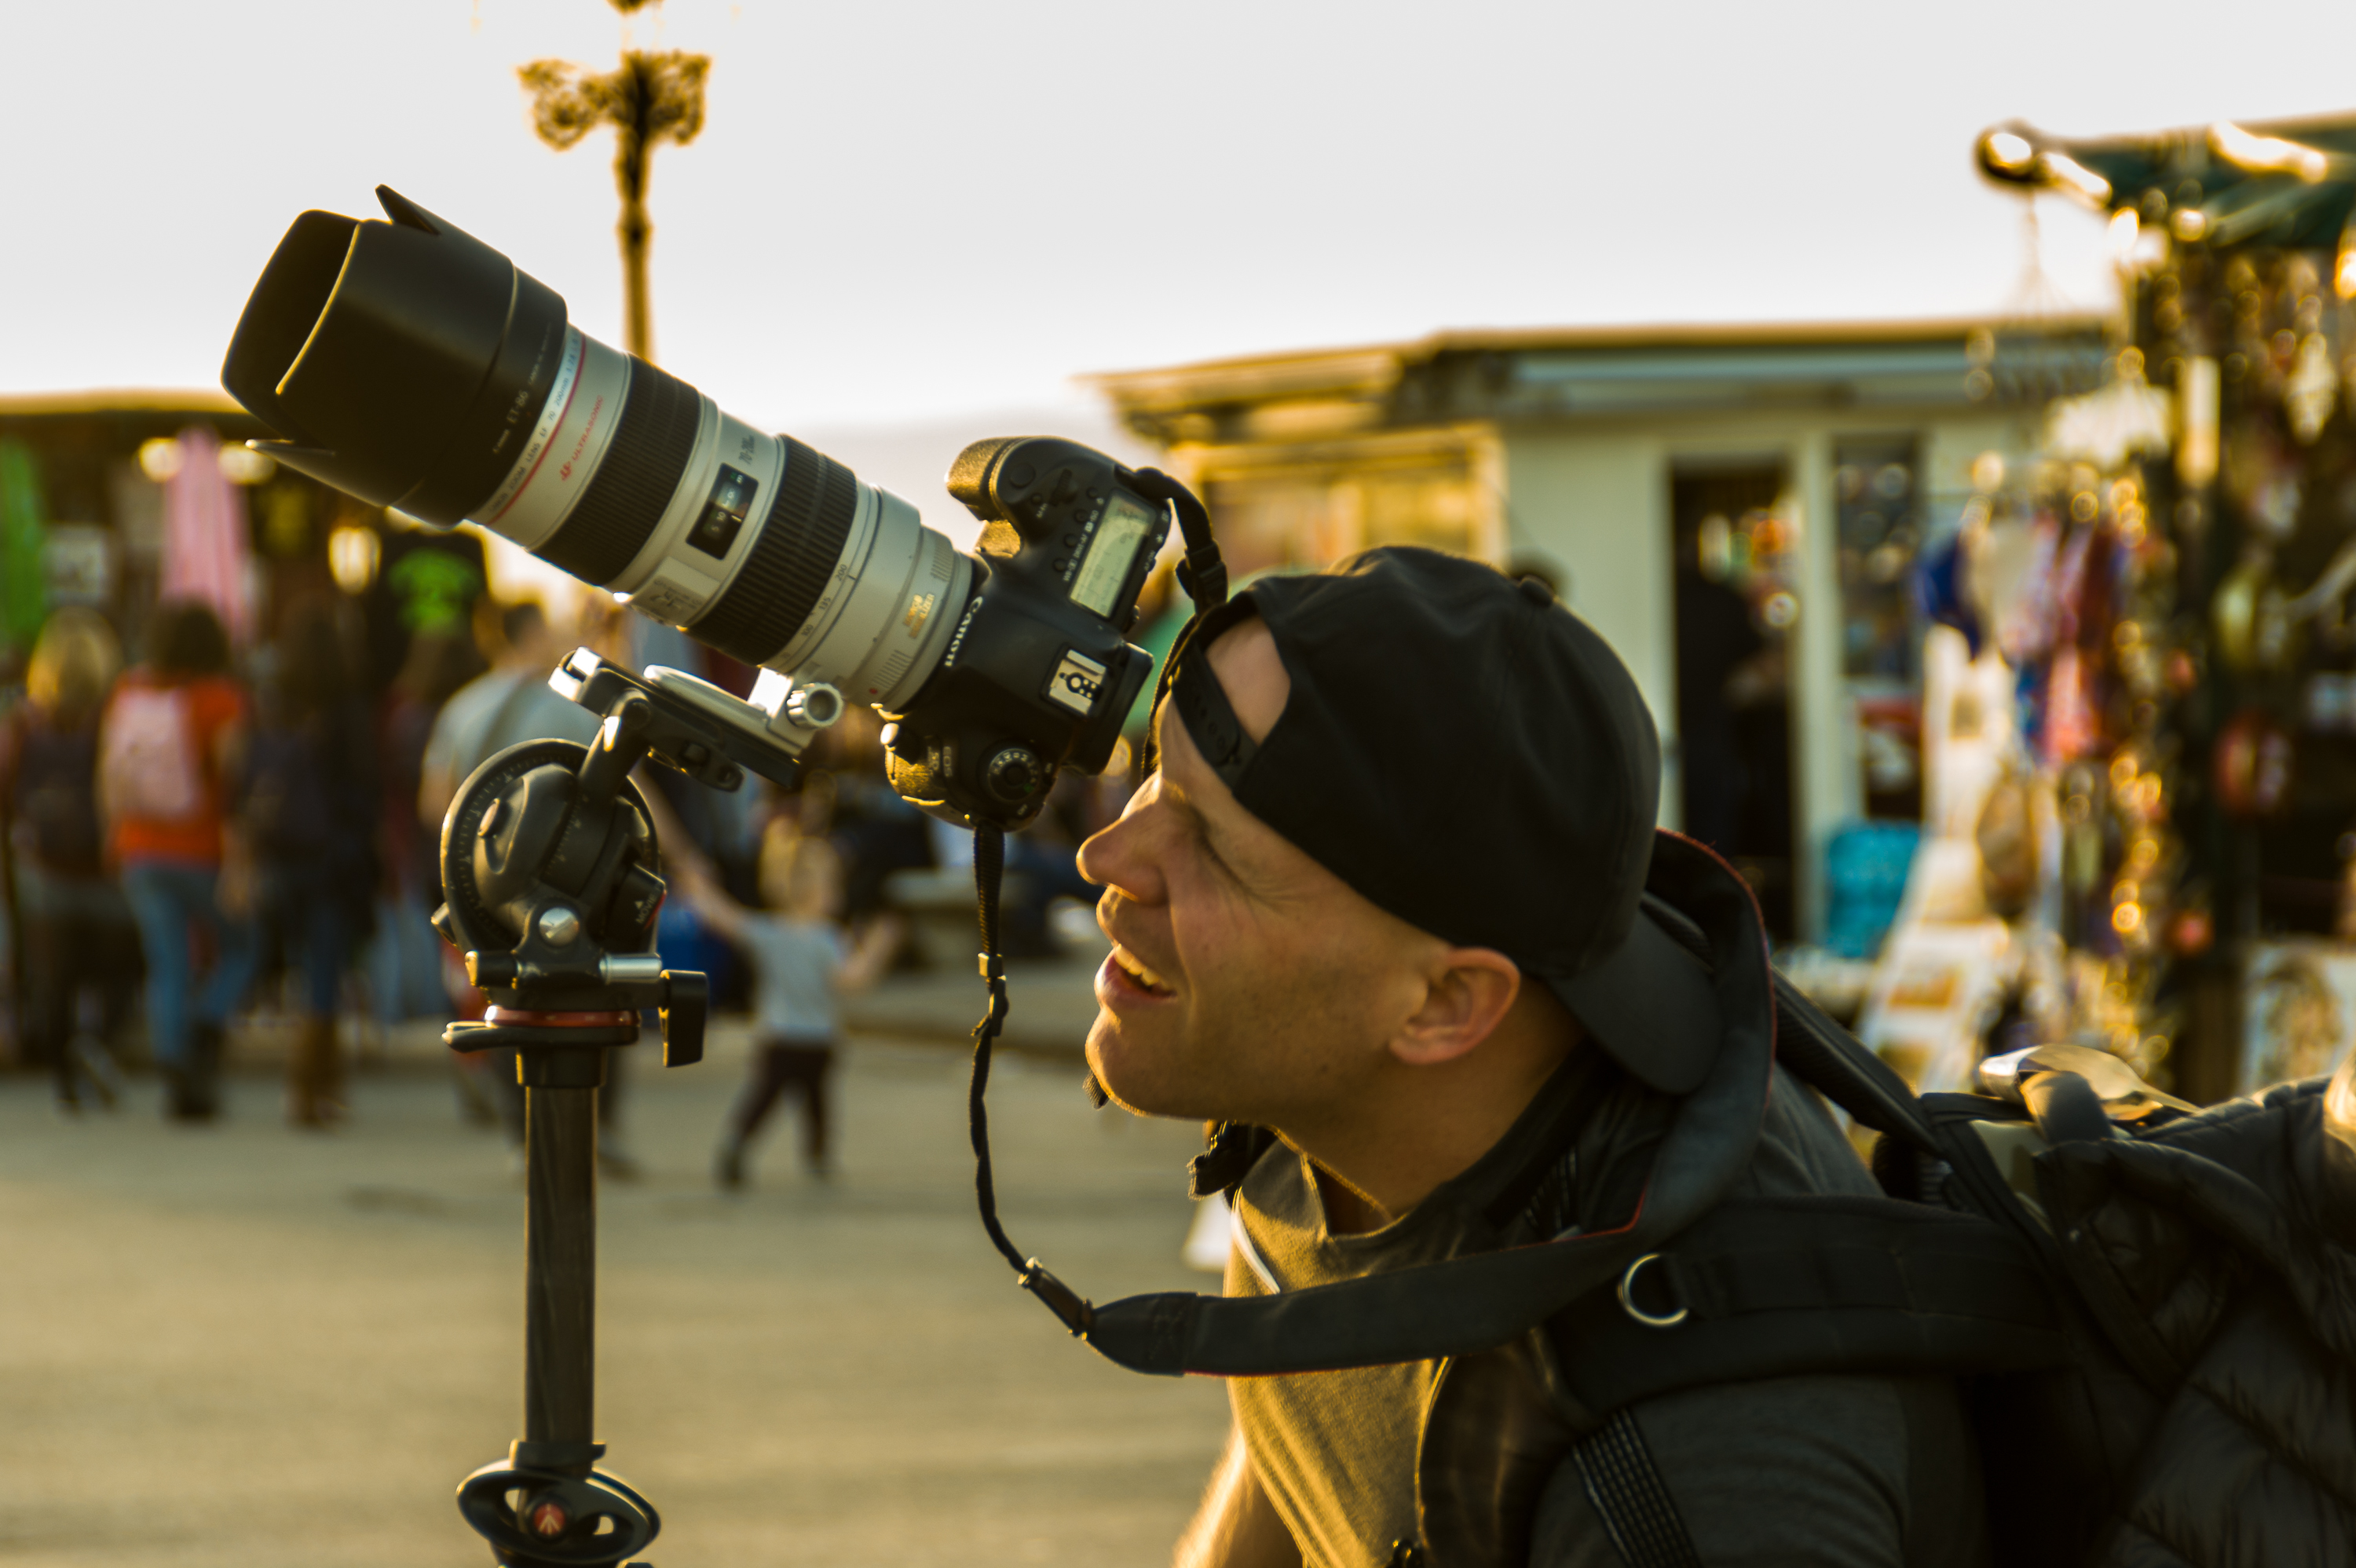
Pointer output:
412, 366
408, 364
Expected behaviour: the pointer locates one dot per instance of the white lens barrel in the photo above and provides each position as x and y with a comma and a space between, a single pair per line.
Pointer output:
568, 444
674, 578
875, 631
879, 628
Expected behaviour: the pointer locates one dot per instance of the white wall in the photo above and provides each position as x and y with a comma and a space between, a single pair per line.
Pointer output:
1598, 505
1595, 497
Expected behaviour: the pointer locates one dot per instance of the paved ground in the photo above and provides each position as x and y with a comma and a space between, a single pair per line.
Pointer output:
248, 1346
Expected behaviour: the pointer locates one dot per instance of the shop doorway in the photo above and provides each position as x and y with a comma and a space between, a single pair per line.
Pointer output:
1737, 575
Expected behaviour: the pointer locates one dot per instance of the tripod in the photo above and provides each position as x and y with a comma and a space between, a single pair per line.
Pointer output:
547, 874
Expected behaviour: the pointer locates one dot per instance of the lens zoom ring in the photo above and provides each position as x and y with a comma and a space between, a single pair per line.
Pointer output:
789, 563
634, 484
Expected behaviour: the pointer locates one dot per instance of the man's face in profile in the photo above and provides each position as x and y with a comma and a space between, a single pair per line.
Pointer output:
1246, 981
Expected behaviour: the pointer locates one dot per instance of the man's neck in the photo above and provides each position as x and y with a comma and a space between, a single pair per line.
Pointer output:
1419, 1127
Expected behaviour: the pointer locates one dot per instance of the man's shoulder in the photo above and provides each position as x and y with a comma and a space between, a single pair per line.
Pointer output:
539, 713
473, 701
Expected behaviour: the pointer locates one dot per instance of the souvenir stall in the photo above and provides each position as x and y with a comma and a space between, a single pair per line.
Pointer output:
2166, 833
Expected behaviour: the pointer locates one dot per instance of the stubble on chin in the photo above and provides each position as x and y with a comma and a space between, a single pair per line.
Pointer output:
1140, 1078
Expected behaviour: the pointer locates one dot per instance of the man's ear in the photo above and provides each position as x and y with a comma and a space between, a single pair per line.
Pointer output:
1471, 989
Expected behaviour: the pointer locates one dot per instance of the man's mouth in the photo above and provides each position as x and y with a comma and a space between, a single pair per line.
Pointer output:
1135, 976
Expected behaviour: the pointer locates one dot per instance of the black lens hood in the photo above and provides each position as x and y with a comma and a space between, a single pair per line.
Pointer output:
404, 362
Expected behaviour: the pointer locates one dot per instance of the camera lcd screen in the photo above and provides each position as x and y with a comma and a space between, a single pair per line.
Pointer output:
1110, 553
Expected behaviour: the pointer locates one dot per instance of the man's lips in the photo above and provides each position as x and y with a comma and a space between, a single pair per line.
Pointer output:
1124, 978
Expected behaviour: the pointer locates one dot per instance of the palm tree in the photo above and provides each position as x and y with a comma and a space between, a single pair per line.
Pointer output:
655, 96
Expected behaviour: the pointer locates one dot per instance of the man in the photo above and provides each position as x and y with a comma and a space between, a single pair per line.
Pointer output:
507, 704
1382, 898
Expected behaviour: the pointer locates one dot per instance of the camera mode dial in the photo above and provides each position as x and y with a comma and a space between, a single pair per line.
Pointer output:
1014, 774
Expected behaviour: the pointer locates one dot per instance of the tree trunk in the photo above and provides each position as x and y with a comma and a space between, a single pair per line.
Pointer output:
635, 228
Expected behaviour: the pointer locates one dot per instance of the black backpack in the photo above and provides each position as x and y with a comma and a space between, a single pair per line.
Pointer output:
310, 798
54, 796
2152, 1307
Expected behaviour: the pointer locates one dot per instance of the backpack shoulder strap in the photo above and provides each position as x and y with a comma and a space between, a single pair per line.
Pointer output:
1826, 1057
1790, 1287
1629, 1499
1837, 1064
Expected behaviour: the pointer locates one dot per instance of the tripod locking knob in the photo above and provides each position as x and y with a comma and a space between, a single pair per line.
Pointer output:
686, 1002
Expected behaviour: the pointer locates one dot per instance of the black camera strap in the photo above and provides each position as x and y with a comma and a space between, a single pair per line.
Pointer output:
989, 862
1203, 575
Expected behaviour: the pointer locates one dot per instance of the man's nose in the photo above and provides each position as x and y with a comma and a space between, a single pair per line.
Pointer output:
1093, 856
1117, 857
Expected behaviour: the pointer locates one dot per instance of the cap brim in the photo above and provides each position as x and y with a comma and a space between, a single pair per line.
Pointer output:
1651, 1006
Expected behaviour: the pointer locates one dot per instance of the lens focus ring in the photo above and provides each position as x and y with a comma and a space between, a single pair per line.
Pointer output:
790, 563
634, 484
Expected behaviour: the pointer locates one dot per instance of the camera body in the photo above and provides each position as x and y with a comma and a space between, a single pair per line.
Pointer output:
1038, 673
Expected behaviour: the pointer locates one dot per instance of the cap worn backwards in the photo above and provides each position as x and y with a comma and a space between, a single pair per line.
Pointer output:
1471, 757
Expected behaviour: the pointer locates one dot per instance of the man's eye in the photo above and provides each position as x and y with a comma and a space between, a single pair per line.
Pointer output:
1210, 851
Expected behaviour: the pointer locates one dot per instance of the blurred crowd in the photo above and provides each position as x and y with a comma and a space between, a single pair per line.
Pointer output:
207, 848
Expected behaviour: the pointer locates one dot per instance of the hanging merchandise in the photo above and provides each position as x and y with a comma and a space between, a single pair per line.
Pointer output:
208, 540
2072, 839
2253, 762
23, 598
2204, 742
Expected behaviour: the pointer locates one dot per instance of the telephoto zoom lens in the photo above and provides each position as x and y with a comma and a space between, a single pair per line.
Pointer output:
412, 365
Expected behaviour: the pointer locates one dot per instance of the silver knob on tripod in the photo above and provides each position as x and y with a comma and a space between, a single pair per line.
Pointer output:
814, 706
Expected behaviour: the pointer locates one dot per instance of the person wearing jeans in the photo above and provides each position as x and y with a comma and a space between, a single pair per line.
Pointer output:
171, 746
188, 1012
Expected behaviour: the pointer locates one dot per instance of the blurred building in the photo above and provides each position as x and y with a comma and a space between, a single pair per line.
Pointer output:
1742, 511
100, 496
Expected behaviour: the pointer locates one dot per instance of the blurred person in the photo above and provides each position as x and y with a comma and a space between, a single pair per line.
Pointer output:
506, 705
1719, 645
74, 919
876, 831
803, 965
309, 811
404, 979
1044, 860
1425, 996
171, 747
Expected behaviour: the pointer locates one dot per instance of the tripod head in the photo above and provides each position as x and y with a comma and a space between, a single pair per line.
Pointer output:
549, 864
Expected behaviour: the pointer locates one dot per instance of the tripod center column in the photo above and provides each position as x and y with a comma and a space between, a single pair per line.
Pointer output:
559, 1262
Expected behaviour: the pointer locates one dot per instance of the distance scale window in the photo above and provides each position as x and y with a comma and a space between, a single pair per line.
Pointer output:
724, 511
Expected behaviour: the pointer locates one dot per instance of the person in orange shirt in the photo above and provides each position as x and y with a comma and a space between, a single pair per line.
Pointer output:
170, 746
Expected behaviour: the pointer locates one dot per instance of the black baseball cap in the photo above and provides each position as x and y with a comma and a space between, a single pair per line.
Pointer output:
1470, 756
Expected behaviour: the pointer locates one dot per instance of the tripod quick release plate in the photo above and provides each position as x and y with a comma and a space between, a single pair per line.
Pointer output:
694, 727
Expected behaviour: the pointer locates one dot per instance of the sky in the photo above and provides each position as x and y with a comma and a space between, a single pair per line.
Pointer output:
906, 213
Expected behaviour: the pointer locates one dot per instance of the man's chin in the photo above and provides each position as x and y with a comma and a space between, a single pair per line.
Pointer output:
1132, 1074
